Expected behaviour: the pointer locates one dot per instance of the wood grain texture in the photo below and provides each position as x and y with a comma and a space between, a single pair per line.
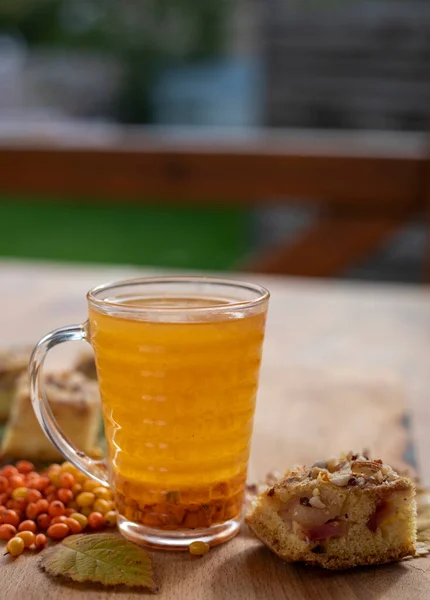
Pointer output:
342, 364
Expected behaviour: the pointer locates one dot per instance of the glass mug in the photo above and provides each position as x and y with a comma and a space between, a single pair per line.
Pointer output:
178, 362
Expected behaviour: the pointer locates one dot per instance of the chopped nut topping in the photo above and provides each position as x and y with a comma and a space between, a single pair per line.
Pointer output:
315, 472
316, 502
332, 464
350, 470
341, 480
321, 464
379, 477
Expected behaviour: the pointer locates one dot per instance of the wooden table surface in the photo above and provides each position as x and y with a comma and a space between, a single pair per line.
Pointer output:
343, 364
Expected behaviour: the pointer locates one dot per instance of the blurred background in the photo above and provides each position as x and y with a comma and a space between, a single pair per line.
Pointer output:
281, 136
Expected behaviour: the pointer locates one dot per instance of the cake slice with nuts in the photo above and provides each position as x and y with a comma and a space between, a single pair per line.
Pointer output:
341, 513
75, 404
13, 363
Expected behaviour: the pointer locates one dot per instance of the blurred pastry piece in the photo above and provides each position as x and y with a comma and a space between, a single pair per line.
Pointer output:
86, 364
75, 403
13, 363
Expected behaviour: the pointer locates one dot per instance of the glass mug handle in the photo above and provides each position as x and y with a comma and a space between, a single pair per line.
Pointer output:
96, 469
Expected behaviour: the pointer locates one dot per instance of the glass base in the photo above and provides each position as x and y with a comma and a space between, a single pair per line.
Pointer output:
177, 539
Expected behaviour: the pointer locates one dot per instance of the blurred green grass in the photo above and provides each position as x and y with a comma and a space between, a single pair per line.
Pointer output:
185, 237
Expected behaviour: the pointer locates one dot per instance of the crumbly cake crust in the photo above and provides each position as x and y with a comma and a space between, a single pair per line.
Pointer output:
13, 363
340, 513
75, 403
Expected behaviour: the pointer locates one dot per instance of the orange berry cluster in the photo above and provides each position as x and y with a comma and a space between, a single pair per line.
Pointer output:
54, 503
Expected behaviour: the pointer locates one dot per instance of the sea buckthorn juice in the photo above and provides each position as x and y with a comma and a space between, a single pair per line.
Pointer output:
178, 370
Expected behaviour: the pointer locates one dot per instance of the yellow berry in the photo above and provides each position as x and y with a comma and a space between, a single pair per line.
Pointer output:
86, 511
199, 548
80, 477
76, 489
28, 538
54, 477
110, 518
15, 546
102, 492
90, 485
80, 518
101, 506
85, 499
20, 492
54, 468
67, 467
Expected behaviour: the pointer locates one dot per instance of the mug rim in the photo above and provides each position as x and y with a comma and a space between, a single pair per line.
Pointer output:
263, 294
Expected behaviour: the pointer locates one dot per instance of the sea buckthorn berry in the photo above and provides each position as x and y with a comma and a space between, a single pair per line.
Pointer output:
42, 505
7, 531
110, 518
199, 548
86, 511
58, 519
32, 510
16, 481
33, 495
50, 489
20, 492
27, 525
67, 480
101, 506
15, 546
40, 541
65, 495
90, 485
18, 505
55, 467
51, 497
85, 499
32, 482
73, 525
76, 489
67, 467
81, 519
4, 498
58, 531
56, 508
96, 520
27, 536
80, 477
69, 511
73, 505
54, 478
10, 517
24, 467
43, 483
43, 521
9, 471
103, 492
4, 484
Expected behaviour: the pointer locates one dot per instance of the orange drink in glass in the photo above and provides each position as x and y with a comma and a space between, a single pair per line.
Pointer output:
178, 362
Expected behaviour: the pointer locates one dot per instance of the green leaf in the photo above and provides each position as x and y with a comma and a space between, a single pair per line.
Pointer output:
103, 558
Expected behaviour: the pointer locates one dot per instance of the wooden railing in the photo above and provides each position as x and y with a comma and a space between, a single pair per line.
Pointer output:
367, 185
